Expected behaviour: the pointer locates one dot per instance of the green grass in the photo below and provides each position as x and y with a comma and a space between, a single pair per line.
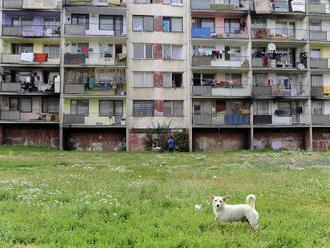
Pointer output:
50, 198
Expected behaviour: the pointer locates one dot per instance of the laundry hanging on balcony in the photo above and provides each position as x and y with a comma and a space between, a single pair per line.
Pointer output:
27, 57
41, 57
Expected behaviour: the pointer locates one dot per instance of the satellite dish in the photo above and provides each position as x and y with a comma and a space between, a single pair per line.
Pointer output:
271, 47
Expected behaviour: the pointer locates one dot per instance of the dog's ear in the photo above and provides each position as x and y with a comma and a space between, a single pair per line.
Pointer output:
212, 196
226, 197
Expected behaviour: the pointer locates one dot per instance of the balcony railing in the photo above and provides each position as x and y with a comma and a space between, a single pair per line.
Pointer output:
223, 88
231, 61
22, 88
220, 5
210, 120
321, 120
94, 59
318, 35
281, 91
219, 33
319, 7
94, 119
96, 89
30, 58
91, 29
31, 4
284, 62
273, 119
321, 91
279, 34
319, 63
32, 31
100, 3
18, 116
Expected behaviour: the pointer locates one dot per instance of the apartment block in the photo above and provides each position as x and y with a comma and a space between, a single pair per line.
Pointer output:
99, 75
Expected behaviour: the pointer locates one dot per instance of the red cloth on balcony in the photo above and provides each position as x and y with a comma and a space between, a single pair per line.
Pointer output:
40, 57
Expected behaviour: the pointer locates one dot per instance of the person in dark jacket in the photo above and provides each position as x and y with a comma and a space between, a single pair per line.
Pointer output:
171, 144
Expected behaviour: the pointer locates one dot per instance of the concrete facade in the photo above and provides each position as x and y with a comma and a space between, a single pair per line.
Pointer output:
232, 76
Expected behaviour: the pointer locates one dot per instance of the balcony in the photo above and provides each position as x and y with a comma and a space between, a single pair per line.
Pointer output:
220, 5
91, 30
30, 59
94, 119
34, 31
223, 88
319, 63
278, 63
279, 120
209, 120
321, 120
27, 88
319, 7
219, 33
16, 116
320, 91
279, 34
28, 4
281, 91
318, 35
95, 59
225, 61
97, 3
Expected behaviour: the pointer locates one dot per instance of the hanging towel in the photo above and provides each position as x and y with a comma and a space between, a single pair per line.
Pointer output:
27, 57
41, 57
326, 89
84, 51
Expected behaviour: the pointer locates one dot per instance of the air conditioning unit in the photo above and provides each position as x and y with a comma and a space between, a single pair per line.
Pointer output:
100, 2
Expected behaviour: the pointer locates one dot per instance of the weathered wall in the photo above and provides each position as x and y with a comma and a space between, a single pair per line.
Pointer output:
136, 140
213, 140
1, 135
36, 135
321, 139
290, 139
95, 139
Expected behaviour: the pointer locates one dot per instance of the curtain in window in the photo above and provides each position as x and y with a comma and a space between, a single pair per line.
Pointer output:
176, 52
177, 24
167, 80
167, 52
138, 23
148, 51
178, 108
138, 51
106, 108
106, 22
26, 104
167, 109
148, 23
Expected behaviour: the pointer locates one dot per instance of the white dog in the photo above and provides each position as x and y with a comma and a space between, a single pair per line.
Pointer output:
244, 212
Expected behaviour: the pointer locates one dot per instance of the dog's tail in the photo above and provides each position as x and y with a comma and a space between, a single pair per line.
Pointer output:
251, 200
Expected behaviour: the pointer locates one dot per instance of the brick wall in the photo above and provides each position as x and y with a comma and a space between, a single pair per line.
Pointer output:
95, 139
321, 139
290, 139
36, 135
136, 141
213, 140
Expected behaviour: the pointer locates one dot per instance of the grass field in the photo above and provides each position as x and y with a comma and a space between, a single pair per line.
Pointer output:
50, 198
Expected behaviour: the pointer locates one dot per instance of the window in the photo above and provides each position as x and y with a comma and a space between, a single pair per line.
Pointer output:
204, 23
316, 53
261, 108
317, 108
232, 26
52, 23
173, 108
53, 51
143, 1
172, 52
172, 24
171, 79
142, 51
143, 23
50, 105
22, 48
80, 19
315, 26
25, 22
106, 50
143, 108
317, 80
13, 104
110, 108
177, 2
79, 107
78, 48
26, 104
143, 79
111, 23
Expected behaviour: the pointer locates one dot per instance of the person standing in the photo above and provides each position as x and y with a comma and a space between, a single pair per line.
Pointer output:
171, 144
